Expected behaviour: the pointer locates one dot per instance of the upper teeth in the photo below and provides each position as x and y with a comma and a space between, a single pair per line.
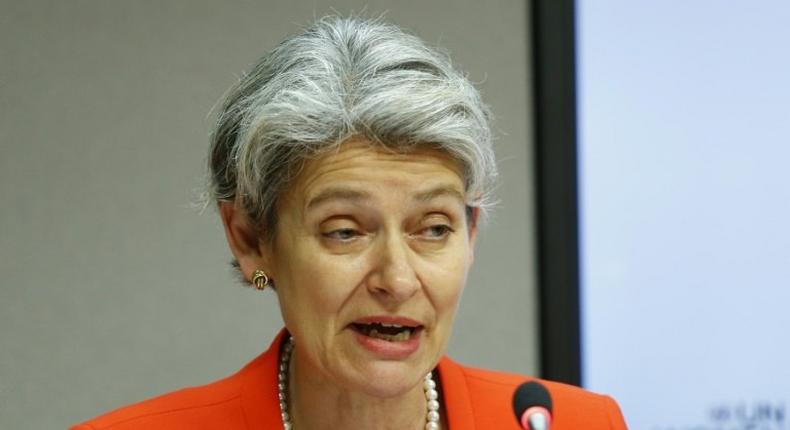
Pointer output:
391, 325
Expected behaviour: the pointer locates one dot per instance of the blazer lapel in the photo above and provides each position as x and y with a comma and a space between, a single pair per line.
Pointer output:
457, 403
259, 389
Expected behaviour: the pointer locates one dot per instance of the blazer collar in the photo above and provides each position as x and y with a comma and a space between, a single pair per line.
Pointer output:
259, 389
457, 402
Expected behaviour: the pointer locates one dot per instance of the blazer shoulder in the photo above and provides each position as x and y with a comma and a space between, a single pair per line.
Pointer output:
238, 401
193, 407
573, 407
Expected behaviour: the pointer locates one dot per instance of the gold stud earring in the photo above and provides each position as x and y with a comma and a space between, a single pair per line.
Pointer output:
259, 279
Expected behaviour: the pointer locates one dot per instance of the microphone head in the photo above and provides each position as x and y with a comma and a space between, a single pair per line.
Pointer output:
531, 396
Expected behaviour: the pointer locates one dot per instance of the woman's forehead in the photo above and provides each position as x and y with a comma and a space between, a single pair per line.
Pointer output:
359, 169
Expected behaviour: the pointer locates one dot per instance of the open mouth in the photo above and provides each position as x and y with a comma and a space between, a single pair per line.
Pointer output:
384, 331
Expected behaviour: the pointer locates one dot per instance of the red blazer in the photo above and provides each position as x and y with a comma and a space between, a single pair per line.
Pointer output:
474, 399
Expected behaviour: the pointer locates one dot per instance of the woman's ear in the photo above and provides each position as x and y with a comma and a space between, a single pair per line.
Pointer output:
472, 223
243, 240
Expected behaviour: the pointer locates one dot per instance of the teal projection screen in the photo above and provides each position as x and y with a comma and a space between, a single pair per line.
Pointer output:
684, 209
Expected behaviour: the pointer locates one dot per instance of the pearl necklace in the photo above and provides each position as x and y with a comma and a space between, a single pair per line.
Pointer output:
429, 386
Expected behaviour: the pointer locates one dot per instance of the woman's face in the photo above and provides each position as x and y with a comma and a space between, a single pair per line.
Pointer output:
371, 256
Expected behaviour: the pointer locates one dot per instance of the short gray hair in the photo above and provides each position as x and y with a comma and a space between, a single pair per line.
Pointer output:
343, 78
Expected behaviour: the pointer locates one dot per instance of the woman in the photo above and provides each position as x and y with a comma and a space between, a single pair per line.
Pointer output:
351, 167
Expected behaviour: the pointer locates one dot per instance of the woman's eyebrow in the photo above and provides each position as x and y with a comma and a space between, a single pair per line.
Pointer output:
355, 196
440, 191
335, 193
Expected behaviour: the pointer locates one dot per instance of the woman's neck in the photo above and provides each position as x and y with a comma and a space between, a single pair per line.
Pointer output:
316, 403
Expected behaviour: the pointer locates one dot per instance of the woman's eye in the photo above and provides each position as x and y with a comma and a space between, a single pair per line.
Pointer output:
342, 234
437, 231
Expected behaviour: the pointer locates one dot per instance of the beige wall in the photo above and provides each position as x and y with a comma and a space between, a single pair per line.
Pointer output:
111, 288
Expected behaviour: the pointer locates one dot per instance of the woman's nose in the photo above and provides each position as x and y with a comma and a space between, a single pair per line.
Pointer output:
394, 278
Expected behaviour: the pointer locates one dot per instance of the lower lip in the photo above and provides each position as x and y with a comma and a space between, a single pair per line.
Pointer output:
390, 350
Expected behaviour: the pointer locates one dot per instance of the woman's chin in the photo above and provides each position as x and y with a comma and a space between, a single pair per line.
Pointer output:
386, 369
388, 379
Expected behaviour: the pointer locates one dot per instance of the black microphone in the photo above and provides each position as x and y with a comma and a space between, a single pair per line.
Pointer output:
532, 406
